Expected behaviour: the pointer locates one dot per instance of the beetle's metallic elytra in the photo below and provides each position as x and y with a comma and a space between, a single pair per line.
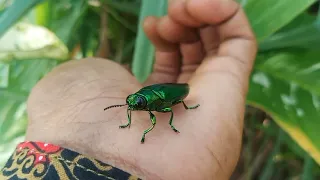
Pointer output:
159, 98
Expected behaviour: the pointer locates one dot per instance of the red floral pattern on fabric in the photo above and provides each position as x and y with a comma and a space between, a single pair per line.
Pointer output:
36, 147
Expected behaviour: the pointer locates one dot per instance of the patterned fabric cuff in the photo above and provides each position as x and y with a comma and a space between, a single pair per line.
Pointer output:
37, 160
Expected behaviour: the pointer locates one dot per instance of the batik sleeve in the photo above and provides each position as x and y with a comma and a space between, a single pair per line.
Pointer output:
38, 160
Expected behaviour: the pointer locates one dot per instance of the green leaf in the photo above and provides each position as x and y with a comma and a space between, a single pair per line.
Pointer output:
66, 25
268, 16
44, 9
65, 17
131, 7
121, 35
302, 32
122, 20
27, 41
4, 71
301, 67
144, 50
15, 12
22, 76
288, 90
294, 147
307, 169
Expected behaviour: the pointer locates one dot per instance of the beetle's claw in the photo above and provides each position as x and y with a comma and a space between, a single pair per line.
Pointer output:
175, 130
124, 126
194, 107
142, 140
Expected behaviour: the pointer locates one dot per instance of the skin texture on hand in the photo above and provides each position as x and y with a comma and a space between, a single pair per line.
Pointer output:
206, 43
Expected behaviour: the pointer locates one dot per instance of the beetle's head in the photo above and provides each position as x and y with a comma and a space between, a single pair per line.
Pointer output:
136, 102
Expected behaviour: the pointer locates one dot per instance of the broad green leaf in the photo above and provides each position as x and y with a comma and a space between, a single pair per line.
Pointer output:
301, 67
294, 147
302, 32
294, 106
144, 50
268, 16
14, 12
27, 41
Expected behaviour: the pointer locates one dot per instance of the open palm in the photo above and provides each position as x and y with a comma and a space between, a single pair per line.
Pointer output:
213, 51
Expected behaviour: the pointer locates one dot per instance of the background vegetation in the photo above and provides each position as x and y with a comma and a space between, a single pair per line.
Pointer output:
283, 115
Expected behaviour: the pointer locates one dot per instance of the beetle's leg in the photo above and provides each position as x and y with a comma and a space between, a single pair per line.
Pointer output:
171, 118
153, 121
129, 120
191, 107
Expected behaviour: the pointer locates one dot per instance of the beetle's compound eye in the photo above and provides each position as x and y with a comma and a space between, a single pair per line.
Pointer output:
140, 102
128, 99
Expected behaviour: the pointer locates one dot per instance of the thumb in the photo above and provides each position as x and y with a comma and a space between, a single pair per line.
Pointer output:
220, 84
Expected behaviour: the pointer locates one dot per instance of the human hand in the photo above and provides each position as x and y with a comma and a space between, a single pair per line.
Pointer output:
218, 49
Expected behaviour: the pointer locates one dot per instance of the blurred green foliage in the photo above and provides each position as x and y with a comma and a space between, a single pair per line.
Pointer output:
280, 135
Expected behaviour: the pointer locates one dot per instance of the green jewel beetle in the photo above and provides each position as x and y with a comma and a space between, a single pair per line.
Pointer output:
156, 97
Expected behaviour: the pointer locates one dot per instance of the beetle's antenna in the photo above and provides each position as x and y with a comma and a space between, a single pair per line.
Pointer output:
120, 105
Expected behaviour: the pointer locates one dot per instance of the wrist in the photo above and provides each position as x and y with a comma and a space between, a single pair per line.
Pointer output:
85, 146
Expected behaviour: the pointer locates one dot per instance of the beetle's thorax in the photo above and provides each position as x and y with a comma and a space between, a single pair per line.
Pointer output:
136, 102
